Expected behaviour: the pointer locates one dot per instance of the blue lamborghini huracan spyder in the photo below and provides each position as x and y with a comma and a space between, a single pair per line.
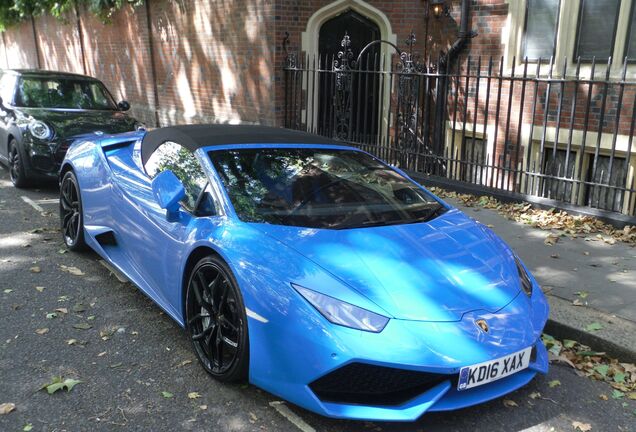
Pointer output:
314, 270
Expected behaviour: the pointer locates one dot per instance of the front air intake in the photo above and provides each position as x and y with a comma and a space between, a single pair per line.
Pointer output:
359, 383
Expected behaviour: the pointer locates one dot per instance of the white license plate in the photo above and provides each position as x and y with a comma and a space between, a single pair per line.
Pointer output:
483, 373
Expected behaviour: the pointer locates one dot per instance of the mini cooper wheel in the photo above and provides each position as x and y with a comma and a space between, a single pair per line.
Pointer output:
71, 217
16, 166
216, 320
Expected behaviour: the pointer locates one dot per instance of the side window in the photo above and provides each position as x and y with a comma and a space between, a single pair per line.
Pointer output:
176, 158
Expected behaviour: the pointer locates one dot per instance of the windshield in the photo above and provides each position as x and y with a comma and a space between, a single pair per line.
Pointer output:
319, 188
70, 93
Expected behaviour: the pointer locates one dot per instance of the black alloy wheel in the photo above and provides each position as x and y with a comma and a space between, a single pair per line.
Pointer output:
16, 166
216, 320
71, 217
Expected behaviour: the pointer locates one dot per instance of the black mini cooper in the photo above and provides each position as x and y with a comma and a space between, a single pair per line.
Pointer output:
42, 112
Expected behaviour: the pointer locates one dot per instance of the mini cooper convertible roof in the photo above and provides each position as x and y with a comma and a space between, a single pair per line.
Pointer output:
195, 136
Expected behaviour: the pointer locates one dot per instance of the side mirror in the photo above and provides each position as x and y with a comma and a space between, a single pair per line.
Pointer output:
123, 105
3, 113
168, 191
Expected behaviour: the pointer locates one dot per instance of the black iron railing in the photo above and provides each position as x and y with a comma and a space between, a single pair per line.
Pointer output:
562, 133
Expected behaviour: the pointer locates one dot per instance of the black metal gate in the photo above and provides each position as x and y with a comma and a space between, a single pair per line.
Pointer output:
565, 135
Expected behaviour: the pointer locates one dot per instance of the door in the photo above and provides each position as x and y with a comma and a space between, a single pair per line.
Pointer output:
155, 245
348, 104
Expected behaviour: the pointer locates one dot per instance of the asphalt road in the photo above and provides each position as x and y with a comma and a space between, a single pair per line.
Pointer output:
130, 352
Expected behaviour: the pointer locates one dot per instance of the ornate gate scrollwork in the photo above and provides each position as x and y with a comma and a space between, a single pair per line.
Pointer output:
408, 94
344, 83
396, 107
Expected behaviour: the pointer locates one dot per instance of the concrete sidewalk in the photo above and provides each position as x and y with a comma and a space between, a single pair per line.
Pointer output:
587, 280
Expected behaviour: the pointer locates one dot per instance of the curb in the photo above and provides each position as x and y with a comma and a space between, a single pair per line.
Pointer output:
564, 331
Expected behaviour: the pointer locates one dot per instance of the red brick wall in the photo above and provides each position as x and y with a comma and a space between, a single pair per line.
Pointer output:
59, 43
118, 54
20, 46
214, 60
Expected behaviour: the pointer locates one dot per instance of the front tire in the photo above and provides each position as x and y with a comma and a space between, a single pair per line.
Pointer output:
16, 166
71, 215
216, 320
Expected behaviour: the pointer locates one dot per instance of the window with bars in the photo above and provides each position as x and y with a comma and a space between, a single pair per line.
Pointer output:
474, 158
606, 181
557, 166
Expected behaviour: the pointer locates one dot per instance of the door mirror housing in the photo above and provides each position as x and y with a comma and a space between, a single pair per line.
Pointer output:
168, 191
123, 105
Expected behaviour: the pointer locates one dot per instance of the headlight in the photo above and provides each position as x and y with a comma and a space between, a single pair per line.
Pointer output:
139, 126
342, 313
526, 284
40, 130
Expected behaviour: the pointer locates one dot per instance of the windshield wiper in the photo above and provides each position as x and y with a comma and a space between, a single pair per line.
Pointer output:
436, 210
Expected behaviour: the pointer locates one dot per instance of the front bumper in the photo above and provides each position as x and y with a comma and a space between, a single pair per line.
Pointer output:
293, 357
443, 397
44, 160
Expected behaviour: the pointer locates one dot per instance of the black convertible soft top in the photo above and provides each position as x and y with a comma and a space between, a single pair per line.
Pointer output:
193, 137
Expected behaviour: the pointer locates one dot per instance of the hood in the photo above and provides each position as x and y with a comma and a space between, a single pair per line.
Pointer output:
434, 271
68, 123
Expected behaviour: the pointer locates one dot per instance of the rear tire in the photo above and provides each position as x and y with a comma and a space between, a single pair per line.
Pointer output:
71, 214
216, 320
16, 166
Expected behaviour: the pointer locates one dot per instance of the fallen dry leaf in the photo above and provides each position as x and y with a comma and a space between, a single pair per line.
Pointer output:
183, 363
72, 270
570, 225
508, 403
6, 408
39, 288
582, 427
194, 395
593, 364
58, 383
42, 331
35, 269
551, 239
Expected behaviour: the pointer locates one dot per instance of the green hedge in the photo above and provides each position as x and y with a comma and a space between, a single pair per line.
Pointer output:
15, 11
